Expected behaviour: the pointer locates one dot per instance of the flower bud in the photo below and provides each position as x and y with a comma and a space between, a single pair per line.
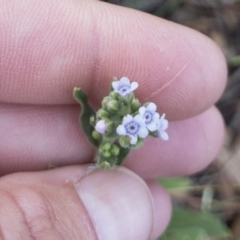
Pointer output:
106, 154
124, 141
113, 106
115, 150
104, 149
101, 126
106, 146
105, 102
110, 127
135, 105
104, 165
114, 95
96, 135
103, 114
92, 121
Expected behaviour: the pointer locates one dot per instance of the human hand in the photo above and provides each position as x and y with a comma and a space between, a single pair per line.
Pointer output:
49, 47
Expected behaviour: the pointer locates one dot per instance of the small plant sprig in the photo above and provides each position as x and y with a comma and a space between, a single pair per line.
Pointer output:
121, 124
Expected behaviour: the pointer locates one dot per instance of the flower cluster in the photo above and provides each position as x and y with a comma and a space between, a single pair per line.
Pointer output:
136, 124
121, 124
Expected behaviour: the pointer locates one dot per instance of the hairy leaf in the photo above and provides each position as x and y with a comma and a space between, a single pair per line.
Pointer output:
85, 115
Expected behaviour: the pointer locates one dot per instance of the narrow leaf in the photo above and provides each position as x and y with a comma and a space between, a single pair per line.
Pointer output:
86, 112
176, 183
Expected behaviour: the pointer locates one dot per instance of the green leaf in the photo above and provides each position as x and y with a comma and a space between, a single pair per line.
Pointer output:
234, 62
184, 220
175, 183
87, 112
187, 234
122, 154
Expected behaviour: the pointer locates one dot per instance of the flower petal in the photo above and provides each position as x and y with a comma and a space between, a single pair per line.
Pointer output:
156, 117
115, 85
133, 139
142, 110
140, 120
143, 132
125, 81
152, 126
164, 124
163, 116
163, 135
152, 107
121, 130
127, 119
134, 85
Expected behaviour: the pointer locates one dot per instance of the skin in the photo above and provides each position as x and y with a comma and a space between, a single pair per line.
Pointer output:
49, 47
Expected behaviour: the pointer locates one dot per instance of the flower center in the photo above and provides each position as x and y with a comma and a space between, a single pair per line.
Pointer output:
148, 117
132, 128
123, 89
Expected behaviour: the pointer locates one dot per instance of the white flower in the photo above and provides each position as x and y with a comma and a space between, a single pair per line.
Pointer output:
133, 127
124, 87
162, 126
150, 115
101, 126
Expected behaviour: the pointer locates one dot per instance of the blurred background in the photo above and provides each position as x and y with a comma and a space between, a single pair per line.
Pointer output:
207, 205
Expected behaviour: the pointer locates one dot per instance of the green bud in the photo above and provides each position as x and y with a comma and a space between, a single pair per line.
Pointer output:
102, 114
115, 150
105, 102
114, 95
104, 165
106, 154
139, 143
124, 141
106, 146
135, 105
113, 106
92, 121
110, 127
123, 100
96, 135
104, 149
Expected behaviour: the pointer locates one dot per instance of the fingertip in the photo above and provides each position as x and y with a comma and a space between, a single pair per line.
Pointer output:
162, 208
213, 129
118, 202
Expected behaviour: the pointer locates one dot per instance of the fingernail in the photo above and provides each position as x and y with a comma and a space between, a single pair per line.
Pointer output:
118, 203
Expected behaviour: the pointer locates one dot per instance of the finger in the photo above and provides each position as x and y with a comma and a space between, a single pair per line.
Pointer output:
193, 145
67, 203
163, 208
49, 47
34, 137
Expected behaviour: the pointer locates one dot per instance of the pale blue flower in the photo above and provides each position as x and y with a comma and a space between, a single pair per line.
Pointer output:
161, 127
133, 127
124, 87
150, 115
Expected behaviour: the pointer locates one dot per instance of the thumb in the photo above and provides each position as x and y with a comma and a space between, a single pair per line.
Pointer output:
69, 203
